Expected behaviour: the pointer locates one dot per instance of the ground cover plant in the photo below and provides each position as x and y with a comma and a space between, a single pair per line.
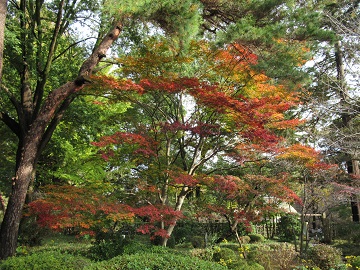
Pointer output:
59, 252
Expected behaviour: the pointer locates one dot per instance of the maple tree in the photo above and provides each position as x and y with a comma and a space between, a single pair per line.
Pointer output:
318, 180
229, 110
245, 200
80, 210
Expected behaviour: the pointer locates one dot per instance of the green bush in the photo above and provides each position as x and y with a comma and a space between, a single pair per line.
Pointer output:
230, 259
46, 260
225, 255
30, 233
185, 245
171, 242
348, 231
135, 247
255, 238
198, 242
242, 264
107, 246
186, 230
151, 260
59, 243
325, 257
234, 246
356, 262
288, 227
253, 266
353, 262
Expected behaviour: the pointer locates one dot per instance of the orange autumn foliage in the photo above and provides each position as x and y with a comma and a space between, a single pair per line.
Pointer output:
301, 154
230, 100
79, 209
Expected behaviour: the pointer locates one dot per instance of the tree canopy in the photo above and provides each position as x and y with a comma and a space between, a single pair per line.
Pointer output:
151, 103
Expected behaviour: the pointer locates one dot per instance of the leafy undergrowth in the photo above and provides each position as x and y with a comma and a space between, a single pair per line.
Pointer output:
60, 243
154, 260
348, 248
67, 252
42, 260
61, 252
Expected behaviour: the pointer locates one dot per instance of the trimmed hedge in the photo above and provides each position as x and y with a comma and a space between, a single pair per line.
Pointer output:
156, 261
224, 254
46, 260
256, 238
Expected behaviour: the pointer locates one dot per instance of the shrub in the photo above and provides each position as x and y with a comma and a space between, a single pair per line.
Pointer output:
254, 266
203, 254
353, 262
348, 231
107, 246
242, 264
186, 230
59, 243
224, 254
356, 262
151, 260
254, 238
325, 257
198, 242
185, 245
288, 227
135, 247
30, 233
245, 239
46, 260
231, 245
274, 256
171, 242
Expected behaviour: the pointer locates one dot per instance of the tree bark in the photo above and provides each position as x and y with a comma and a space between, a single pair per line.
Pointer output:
37, 136
179, 203
3, 6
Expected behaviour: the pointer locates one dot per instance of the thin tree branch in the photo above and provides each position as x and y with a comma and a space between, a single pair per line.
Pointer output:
11, 123
69, 47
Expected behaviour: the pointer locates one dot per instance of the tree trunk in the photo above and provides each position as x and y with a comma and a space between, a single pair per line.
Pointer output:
327, 230
179, 204
355, 209
24, 172
355, 203
11, 221
37, 136
232, 231
3, 5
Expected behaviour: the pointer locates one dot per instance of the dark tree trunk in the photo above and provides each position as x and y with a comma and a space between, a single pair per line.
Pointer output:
355, 210
24, 171
11, 221
37, 136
